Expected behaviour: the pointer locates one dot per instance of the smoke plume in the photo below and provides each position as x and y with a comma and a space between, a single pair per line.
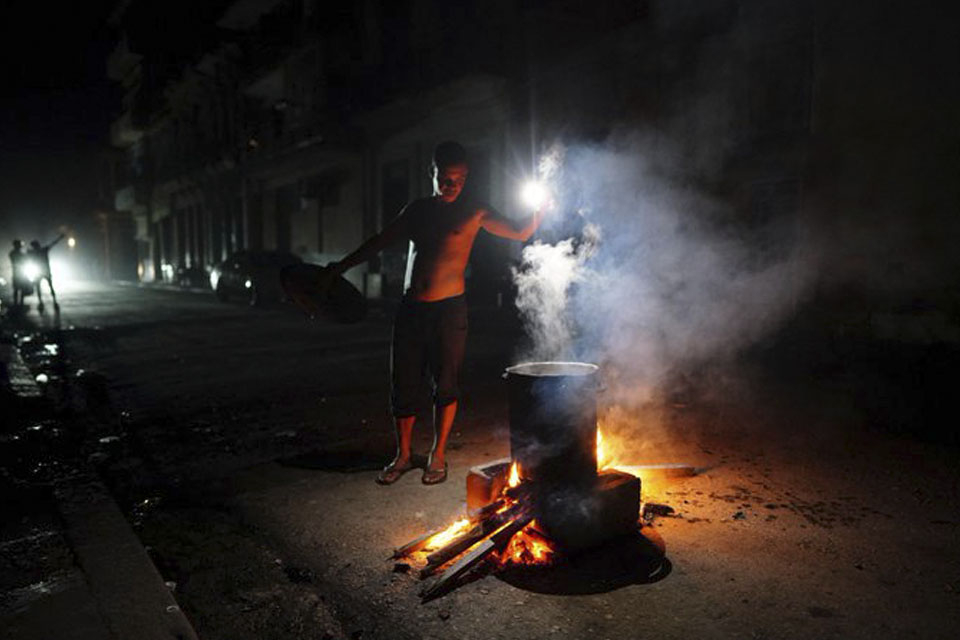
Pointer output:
543, 282
659, 280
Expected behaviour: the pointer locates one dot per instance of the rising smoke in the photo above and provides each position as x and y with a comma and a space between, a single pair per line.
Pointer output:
685, 276
658, 280
544, 280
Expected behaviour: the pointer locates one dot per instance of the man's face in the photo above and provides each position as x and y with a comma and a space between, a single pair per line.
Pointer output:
448, 182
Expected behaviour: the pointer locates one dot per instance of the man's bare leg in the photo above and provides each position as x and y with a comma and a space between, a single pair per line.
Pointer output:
53, 294
442, 424
401, 462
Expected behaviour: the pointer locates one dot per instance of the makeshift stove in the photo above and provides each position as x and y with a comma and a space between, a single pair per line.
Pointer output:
547, 500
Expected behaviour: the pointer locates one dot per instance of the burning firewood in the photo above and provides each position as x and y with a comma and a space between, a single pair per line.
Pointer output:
466, 540
443, 555
487, 510
557, 495
416, 544
480, 551
425, 540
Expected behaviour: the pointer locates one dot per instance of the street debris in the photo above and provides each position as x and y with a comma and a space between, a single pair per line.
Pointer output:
651, 510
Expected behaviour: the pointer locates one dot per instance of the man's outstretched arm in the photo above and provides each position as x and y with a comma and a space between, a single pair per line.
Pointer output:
59, 238
396, 231
498, 225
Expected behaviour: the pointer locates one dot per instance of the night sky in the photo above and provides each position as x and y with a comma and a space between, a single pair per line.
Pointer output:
57, 105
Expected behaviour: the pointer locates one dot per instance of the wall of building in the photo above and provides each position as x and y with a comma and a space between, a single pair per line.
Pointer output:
300, 134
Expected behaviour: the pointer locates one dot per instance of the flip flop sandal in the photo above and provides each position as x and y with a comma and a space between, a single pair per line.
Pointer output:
391, 473
434, 476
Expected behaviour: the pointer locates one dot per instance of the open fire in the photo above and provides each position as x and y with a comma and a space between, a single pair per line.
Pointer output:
500, 534
526, 546
503, 532
560, 493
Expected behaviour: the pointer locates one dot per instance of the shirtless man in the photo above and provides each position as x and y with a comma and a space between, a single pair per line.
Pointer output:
430, 328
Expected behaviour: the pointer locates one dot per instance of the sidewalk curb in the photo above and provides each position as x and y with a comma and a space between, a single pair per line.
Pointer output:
15, 375
129, 591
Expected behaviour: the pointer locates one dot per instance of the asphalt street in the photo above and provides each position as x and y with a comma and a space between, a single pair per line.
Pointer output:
242, 444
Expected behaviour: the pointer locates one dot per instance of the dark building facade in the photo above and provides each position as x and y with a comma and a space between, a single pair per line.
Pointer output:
303, 126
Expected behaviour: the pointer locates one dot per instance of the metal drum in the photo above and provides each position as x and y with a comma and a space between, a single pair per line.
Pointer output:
553, 421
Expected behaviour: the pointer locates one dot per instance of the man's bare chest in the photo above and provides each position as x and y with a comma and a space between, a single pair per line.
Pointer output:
439, 228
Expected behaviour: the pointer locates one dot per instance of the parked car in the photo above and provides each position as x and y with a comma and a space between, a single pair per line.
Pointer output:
192, 277
253, 276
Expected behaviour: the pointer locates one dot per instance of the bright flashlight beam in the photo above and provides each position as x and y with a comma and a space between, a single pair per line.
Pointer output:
534, 194
71, 242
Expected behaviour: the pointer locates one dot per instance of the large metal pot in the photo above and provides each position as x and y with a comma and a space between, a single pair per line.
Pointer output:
553, 421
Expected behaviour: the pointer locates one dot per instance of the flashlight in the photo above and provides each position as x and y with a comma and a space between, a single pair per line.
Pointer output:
534, 194
71, 242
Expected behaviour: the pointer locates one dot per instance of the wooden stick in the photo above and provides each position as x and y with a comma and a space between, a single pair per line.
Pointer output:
520, 492
421, 541
662, 470
416, 544
457, 546
463, 542
486, 510
498, 539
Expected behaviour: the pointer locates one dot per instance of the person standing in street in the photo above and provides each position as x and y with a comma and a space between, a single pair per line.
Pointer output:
20, 281
430, 328
41, 256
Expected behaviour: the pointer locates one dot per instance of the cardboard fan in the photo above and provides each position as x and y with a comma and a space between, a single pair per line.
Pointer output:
342, 302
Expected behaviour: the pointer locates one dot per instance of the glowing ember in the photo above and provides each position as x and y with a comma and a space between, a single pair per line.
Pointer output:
459, 527
514, 478
528, 547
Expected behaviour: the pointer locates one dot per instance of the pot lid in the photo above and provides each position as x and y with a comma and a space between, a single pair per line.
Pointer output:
540, 369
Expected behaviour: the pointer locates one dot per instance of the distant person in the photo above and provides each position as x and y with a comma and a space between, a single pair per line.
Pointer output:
41, 255
21, 284
430, 329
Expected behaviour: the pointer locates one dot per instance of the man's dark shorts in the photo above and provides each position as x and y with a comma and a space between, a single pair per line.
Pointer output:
428, 338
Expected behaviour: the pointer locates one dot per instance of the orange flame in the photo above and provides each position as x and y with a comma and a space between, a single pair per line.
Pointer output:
528, 547
459, 527
605, 452
603, 456
514, 478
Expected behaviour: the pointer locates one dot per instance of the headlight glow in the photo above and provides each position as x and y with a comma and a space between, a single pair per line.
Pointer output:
534, 194
31, 270
247, 284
